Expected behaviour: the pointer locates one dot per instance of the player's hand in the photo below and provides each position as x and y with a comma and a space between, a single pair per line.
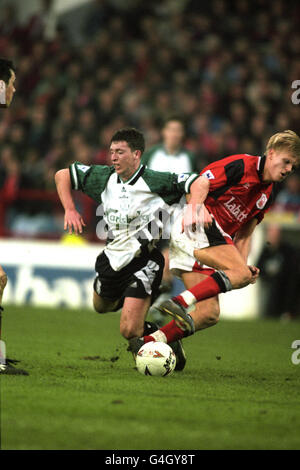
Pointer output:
196, 216
255, 273
73, 221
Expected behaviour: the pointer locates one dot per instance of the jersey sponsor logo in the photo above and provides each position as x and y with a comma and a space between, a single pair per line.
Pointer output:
182, 177
236, 209
261, 202
209, 175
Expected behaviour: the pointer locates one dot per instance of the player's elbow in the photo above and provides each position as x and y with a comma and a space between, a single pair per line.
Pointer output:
60, 175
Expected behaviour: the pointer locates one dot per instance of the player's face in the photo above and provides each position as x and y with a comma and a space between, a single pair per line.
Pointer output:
125, 160
279, 165
173, 133
10, 88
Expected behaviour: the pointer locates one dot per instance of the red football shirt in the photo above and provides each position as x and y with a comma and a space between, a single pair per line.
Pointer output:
237, 193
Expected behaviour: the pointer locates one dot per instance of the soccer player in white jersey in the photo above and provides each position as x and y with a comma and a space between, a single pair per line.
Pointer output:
134, 202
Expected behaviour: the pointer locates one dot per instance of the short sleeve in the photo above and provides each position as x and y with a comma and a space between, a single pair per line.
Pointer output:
91, 180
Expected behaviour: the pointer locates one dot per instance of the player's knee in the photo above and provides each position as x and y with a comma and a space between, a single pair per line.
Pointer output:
213, 315
245, 277
240, 277
100, 307
129, 331
206, 314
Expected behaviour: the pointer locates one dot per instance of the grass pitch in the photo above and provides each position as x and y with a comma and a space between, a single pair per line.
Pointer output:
239, 390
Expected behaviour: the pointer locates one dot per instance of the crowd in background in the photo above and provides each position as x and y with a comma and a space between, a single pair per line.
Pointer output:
226, 67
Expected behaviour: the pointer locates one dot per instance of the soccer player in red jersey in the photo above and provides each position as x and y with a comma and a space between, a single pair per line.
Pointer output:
236, 192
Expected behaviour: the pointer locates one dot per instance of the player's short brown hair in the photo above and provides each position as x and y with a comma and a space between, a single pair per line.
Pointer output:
6, 66
132, 136
286, 140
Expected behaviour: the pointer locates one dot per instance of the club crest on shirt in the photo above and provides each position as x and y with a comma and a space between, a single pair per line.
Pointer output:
261, 202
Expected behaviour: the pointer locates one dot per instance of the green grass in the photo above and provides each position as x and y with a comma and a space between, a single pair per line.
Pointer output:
239, 390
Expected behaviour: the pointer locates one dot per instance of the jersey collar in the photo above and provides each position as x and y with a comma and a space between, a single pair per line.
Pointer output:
261, 166
134, 177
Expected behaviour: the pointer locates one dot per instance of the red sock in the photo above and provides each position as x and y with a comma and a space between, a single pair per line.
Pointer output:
170, 330
203, 290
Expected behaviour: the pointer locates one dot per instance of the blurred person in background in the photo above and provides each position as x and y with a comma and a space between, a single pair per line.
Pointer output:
288, 198
279, 264
170, 154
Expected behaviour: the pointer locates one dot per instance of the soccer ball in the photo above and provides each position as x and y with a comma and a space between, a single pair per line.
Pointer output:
156, 358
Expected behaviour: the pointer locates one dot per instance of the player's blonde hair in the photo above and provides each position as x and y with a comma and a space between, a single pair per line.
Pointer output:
286, 140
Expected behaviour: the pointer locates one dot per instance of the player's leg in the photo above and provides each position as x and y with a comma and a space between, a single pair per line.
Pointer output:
136, 305
231, 273
3, 281
142, 290
205, 314
6, 364
109, 286
104, 305
133, 316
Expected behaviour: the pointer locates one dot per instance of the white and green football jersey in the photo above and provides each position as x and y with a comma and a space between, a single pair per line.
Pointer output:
135, 211
157, 158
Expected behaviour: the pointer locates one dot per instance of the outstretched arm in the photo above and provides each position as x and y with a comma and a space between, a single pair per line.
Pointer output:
73, 219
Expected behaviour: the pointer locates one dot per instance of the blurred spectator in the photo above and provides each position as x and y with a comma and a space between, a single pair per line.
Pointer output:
42, 24
279, 276
170, 154
288, 199
9, 27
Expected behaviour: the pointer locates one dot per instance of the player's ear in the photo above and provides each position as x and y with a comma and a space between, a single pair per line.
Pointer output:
138, 154
270, 154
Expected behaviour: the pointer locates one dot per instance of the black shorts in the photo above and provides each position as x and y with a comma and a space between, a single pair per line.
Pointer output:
140, 278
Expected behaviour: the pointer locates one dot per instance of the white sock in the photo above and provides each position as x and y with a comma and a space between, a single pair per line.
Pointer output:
188, 297
159, 336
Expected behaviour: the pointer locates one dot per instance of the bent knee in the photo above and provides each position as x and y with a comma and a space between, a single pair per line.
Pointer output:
213, 316
244, 277
207, 313
129, 331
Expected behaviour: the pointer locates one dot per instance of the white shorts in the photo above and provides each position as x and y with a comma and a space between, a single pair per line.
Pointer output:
183, 244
